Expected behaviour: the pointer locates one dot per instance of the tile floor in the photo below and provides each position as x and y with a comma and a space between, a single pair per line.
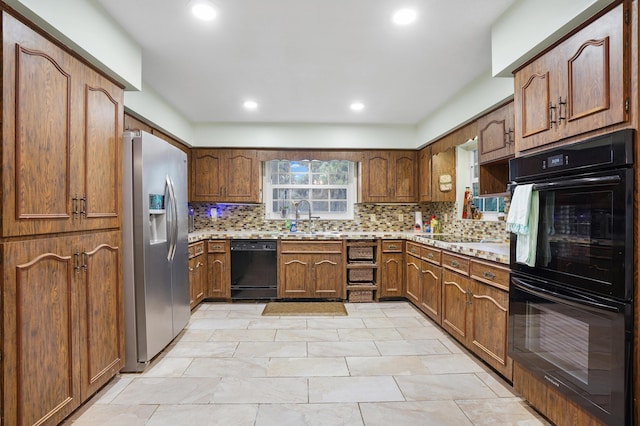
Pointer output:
384, 364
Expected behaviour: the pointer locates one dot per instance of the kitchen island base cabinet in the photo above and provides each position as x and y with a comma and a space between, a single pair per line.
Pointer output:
62, 324
311, 269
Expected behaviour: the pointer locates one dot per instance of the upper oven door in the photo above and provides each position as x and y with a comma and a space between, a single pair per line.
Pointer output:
585, 233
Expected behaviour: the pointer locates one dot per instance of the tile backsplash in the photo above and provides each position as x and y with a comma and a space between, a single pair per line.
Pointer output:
250, 217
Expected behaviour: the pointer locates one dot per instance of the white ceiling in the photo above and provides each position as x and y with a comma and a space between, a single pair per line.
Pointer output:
305, 61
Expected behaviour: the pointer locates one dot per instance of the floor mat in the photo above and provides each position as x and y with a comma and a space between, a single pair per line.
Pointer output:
305, 308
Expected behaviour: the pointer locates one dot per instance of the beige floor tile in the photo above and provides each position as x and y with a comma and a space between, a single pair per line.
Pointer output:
403, 312
499, 412
272, 390
309, 335
451, 363
227, 367
309, 415
335, 323
421, 333
443, 387
412, 347
107, 394
359, 334
366, 313
243, 336
202, 349
423, 413
386, 366
205, 415
353, 389
173, 390
277, 323
333, 349
168, 367
121, 415
307, 367
271, 349
218, 323
499, 386
205, 313
255, 307
391, 322
188, 335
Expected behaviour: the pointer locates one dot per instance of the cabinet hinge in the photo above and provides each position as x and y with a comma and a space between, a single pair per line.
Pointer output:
627, 105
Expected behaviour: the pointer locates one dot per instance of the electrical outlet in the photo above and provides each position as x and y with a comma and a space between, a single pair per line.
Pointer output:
446, 217
400, 217
372, 217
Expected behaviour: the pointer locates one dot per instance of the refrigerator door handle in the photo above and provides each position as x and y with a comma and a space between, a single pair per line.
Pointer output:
174, 219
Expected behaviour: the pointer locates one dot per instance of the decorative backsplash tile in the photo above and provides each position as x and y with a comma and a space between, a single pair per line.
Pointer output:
235, 217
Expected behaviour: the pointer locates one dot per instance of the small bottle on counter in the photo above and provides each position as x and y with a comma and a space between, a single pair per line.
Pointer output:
294, 227
427, 227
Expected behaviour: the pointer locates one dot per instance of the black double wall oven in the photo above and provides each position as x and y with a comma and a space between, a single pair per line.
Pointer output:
571, 313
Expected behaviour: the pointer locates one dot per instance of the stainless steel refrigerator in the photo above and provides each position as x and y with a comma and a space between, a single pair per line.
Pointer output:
156, 276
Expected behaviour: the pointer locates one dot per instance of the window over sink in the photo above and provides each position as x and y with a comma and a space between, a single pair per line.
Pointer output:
329, 186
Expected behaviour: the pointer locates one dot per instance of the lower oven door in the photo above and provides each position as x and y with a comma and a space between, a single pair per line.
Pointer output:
579, 344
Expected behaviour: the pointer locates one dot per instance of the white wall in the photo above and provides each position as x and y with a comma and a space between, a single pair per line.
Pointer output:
154, 109
90, 32
305, 136
530, 26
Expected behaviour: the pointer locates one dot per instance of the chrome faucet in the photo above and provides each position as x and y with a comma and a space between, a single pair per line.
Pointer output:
297, 206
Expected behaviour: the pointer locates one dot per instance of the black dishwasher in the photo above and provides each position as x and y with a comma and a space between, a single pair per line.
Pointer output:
254, 269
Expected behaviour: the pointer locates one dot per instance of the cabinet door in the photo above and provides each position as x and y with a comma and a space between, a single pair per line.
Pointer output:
294, 275
431, 281
444, 166
101, 200
496, 134
193, 277
207, 175
488, 314
197, 274
424, 166
242, 176
102, 313
413, 273
327, 276
594, 88
218, 282
455, 289
403, 180
40, 359
376, 172
37, 159
392, 274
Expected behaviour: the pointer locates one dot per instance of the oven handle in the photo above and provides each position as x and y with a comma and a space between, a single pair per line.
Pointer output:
580, 182
561, 298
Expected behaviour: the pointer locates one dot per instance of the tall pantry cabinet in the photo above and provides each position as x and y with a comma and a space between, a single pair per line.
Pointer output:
60, 238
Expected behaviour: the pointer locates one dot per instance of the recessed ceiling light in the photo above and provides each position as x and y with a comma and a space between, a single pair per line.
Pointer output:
250, 105
203, 9
404, 16
356, 106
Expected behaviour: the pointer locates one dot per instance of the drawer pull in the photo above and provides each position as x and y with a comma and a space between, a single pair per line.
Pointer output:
455, 263
391, 247
216, 247
489, 275
414, 250
429, 255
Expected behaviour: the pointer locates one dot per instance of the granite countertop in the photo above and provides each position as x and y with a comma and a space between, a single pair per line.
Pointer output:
493, 251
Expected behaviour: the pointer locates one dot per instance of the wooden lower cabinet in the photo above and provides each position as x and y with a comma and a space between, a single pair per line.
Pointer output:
431, 291
412, 273
63, 331
218, 279
391, 269
311, 269
197, 273
475, 308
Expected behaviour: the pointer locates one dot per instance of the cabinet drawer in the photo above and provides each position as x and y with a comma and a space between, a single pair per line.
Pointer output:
431, 254
490, 274
456, 263
413, 249
311, 247
392, 246
195, 249
216, 246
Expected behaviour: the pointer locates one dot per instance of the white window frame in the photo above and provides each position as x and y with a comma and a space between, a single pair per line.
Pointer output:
351, 188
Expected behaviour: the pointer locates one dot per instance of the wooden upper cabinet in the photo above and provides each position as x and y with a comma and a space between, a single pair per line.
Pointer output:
496, 134
225, 175
580, 85
61, 135
389, 176
424, 174
443, 175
